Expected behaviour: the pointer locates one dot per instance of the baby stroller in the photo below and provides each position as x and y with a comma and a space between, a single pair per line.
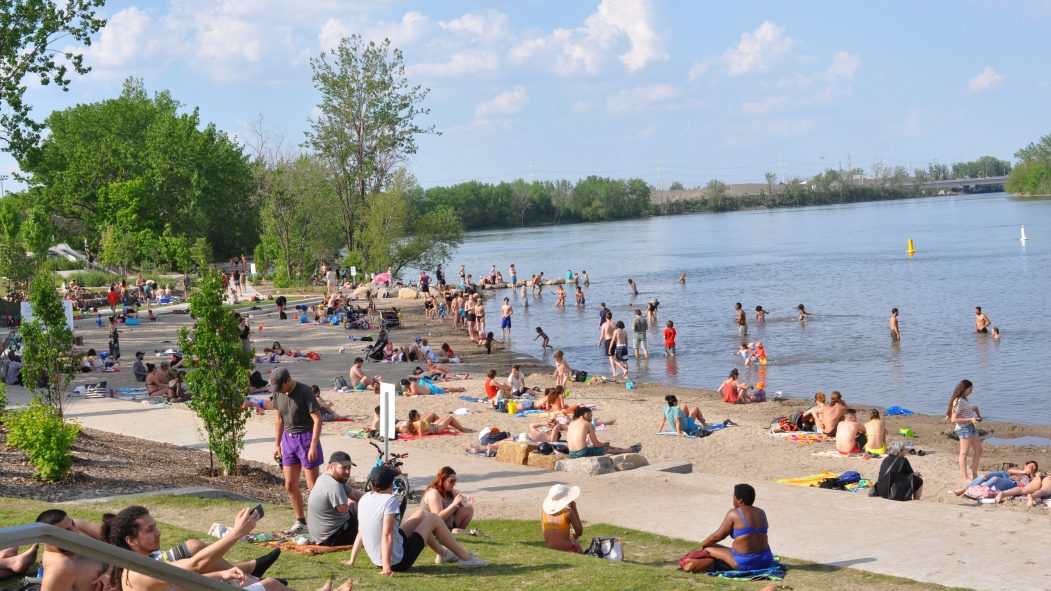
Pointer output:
375, 350
356, 319
389, 319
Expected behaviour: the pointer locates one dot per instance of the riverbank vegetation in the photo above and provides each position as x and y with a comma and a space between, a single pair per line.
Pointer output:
1032, 175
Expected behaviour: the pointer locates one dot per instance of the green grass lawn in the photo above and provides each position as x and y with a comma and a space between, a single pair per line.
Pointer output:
516, 549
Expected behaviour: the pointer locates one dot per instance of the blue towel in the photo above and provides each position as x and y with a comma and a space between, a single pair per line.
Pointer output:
526, 413
772, 573
715, 427
897, 411
470, 399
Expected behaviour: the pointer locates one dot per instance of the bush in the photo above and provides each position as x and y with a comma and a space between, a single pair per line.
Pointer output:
59, 264
3, 400
94, 278
45, 439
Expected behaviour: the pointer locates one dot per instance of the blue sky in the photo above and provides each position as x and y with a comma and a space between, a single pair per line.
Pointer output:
564, 89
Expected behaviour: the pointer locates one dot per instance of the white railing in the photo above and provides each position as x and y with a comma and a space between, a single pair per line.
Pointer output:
32, 533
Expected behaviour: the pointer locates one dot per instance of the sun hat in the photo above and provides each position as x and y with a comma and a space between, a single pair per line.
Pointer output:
559, 497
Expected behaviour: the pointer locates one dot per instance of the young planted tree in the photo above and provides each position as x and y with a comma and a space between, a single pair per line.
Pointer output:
48, 365
220, 382
367, 123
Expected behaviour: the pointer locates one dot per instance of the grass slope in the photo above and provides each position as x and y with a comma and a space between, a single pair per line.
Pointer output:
516, 549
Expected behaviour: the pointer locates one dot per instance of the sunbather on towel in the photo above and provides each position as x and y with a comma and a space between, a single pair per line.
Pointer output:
681, 419
432, 424
747, 525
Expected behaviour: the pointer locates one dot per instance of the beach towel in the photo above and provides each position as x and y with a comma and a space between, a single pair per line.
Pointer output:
531, 413
812, 480
356, 433
308, 549
897, 411
404, 437
132, 390
772, 573
804, 438
835, 454
471, 399
463, 411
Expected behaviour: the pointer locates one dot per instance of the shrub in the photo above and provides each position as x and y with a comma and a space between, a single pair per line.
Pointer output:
45, 439
3, 399
59, 264
94, 278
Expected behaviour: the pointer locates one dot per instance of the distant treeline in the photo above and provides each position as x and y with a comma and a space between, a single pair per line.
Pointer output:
792, 197
482, 206
518, 204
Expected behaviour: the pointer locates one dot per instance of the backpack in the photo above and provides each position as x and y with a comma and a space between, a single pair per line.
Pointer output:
580, 376
801, 422
849, 477
340, 383
832, 484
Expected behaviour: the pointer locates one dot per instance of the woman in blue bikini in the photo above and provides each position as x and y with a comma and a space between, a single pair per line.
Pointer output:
747, 526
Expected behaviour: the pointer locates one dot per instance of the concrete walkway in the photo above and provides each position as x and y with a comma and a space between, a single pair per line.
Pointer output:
959, 545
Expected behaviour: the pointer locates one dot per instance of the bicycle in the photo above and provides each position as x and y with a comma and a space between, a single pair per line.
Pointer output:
402, 488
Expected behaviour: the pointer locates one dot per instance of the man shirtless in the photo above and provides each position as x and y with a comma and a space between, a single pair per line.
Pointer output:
135, 529
981, 321
581, 431
850, 434
832, 415
358, 379
895, 332
605, 337
875, 434
741, 321
618, 350
479, 318
505, 318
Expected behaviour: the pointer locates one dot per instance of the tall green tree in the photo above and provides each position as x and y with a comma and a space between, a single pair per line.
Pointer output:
367, 124
220, 382
140, 163
48, 365
1032, 175
30, 34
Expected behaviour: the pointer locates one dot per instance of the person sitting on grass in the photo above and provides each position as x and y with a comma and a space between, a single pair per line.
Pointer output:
394, 544
581, 432
431, 424
441, 498
747, 525
560, 520
134, 529
683, 420
897, 481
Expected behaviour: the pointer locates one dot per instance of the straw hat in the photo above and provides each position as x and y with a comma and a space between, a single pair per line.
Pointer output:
559, 497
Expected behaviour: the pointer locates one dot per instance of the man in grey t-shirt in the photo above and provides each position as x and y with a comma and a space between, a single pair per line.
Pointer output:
332, 517
297, 440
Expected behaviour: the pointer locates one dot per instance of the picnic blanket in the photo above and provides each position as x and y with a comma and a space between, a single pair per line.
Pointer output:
403, 437
772, 573
803, 438
308, 549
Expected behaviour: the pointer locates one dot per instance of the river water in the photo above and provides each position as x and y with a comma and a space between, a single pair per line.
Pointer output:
847, 264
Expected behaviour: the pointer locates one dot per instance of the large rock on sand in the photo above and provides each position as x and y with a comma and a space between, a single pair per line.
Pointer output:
513, 452
361, 291
539, 460
623, 462
408, 293
593, 466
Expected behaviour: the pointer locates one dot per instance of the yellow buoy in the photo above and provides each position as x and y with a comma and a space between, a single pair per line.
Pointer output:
911, 250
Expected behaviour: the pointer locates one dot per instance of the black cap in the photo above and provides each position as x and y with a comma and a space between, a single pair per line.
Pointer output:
340, 457
278, 377
383, 477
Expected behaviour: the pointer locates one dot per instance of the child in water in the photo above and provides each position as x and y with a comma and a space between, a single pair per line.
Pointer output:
546, 342
634, 288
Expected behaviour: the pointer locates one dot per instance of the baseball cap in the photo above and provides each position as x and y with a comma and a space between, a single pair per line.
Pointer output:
278, 377
383, 477
340, 457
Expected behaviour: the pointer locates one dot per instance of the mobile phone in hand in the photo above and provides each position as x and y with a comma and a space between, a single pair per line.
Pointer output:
258, 510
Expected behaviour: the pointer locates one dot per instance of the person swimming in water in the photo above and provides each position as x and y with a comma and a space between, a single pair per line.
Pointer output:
803, 314
760, 314
634, 288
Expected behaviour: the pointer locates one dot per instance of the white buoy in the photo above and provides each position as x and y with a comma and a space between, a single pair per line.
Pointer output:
1023, 238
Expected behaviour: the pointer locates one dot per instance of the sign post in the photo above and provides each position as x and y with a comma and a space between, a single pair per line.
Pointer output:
387, 431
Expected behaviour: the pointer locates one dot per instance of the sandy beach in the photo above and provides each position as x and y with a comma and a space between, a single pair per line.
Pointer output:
746, 451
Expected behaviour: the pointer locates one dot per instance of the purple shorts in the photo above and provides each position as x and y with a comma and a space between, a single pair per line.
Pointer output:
295, 447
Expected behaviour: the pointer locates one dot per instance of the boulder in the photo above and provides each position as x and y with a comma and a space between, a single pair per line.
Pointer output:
408, 293
593, 466
361, 291
513, 452
623, 462
539, 460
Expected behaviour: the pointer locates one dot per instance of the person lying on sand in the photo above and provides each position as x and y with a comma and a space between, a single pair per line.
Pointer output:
431, 424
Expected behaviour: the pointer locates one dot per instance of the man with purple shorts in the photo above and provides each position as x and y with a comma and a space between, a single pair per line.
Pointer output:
297, 441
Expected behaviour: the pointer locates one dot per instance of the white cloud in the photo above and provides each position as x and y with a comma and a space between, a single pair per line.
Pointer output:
585, 49
844, 65
697, 70
646, 132
758, 50
332, 30
489, 25
467, 61
412, 27
987, 79
508, 102
128, 36
640, 97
